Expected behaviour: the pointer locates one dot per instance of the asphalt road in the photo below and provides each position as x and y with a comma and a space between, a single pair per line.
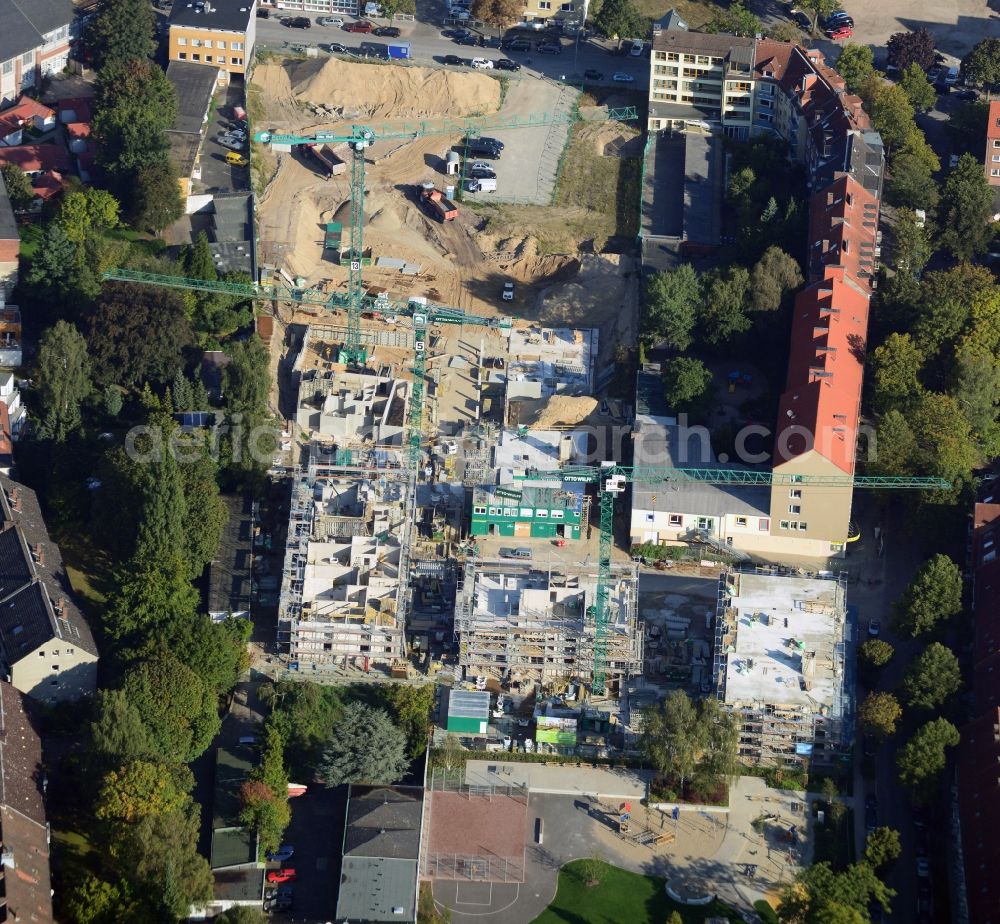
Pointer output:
428, 46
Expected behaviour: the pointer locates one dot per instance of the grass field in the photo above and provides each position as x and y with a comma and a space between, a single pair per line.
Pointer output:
619, 896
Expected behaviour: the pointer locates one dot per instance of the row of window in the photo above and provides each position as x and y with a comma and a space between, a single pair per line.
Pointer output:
27, 60
704, 60
207, 43
524, 513
55, 652
794, 524
219, 59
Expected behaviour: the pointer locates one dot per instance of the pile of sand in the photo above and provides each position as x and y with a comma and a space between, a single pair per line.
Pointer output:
557, 411
372, 90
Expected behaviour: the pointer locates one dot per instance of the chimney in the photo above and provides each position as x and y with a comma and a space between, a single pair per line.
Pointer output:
38, 553
15, 498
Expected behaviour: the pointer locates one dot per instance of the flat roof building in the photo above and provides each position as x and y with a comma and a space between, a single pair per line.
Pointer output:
353, 408
524, 625
781, 666
219, 34
468, 711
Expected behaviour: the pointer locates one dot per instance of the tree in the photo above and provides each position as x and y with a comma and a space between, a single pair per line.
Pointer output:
933, 678
896, 449
675, 918
112, 399
911, 244
498, 13
911, 182
156, 197
891, 111
88, 211
944, 304
966, 126
735, 20
303, 713
121, 30
966, 209
944, 437
879, 714
687, 384
621, 20
982, 64
138, 789
855, 65
18, 185
882, 847
244, 914
137, 334
215, 651
934, 595
896, 366
724, 315
63, 380
976, 388
876, 652
365, 747
819, 8
918, 88
906, 48
411, 708
93, 901
118, 734
820, 894
922, 758
198, 261
179, 712
264, 812
672, 300
831, 796
57, 272
775, 275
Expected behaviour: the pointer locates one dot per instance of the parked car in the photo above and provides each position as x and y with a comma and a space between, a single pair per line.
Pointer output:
284, 852
622, 77
549, 48
967, 96
482, 64
362, 25
840, 33
505, 64
874, 628
591, 74
516, 45
329, 21
263, 14
228, 141
297, 22
282, 875
508, 292
337, 48
482, 173
480, 165
453, 59
468, 39
387, 32
235, 159
923, 867
507, 741
800, 18
491, 42
492, 142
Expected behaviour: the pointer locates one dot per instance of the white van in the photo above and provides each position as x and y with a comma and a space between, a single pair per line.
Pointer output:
637, 47
483, 185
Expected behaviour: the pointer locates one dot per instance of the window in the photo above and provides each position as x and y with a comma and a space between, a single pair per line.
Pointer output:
55, 653
996, 142
526, 512
795, 493
220, 45
784, 524
741, 521
541, 514
763, 524
672, 56
995, 171
794, 508
196, 43
479, 510
221, 59
237, 46
704, 59
8, 67
803, 526
996, 158
208, 43
566, 8
182, 41
650, 517
41, 654
70, 651
182, 55
208, 58
55, 667
675, 519
706, 523
195, 56
27, 58
544, 5
237, 61
558, 514
493, 511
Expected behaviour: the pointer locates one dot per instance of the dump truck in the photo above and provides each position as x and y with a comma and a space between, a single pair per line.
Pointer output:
435, 204
329, 162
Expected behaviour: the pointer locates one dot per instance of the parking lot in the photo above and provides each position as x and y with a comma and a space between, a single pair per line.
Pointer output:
216, 174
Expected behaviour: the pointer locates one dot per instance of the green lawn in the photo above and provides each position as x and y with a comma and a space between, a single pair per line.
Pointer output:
619, 896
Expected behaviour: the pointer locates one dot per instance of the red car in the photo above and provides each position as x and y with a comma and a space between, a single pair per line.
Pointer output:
841, 32
281, 875
362, 25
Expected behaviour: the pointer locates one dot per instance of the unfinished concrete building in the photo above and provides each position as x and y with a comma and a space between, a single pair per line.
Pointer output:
525, 625
781, 666
342, 602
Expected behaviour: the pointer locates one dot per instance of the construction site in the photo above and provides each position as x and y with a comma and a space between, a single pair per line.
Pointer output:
781, 666
526, 626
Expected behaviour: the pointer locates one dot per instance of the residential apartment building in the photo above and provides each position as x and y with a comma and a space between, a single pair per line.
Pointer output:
46, 647
780, 667
978, 896
993, 144
34, 43
25, 878
218, 33
526, 626
343, 7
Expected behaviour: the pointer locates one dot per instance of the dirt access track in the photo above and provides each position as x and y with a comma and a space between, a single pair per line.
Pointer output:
459, 264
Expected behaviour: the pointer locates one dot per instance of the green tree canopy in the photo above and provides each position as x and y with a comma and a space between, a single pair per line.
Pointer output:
775, 275
179, 712
58, 274
735, 20
63, 380
922, 758
118, 734
918, 88
86, 212
498, 13
855, 65
976, 388
876, 652
303, 713
891, 111
621, 20
966, 126
896, 366
18, 185
945, 446
365, 747
896, 448
882, 847
94, 901
817, 8
724, 311
911, 244
411, 709
672, 301
244, 914
982, 64
121, 31
820, 894
933, 678
138, 789
155, 200
934, 595
687, 385
911, 180
966, 209
879, 713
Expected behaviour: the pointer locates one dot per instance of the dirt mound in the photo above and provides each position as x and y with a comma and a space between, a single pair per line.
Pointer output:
558, 411
372, 90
